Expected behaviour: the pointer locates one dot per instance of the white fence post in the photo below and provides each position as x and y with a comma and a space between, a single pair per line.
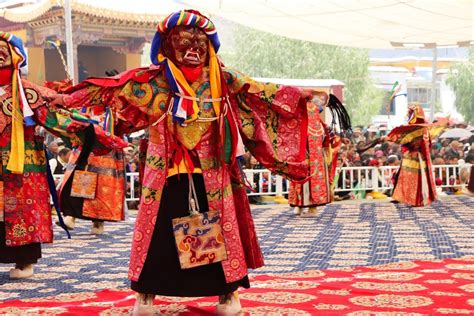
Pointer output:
375, 179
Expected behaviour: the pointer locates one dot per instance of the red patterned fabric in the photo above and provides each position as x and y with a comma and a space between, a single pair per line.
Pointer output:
110, 193
27, 209
253, 254
317, 146
440, 287
217, 182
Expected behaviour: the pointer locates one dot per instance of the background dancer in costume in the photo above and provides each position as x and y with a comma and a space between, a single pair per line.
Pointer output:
199, 113
108, 203
322, 155
414, 183
25, 211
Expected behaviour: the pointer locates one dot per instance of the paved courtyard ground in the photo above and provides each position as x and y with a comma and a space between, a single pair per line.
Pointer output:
342, 235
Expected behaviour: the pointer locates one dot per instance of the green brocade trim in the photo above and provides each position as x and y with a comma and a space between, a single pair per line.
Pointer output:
227, 141
29, 145
51, 120
35, 161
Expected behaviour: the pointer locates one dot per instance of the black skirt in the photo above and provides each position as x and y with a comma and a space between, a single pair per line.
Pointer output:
162, 273
70, 205
21, 254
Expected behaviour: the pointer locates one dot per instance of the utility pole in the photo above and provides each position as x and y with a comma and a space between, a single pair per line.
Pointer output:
433, 82
69, 44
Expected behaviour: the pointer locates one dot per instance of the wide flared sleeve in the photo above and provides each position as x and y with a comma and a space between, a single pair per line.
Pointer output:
69, 125
273, 123
138, 97
408, 134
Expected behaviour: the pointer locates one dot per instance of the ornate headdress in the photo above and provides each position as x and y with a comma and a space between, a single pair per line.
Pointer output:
416, 115
20, 107
185, 106
187, 18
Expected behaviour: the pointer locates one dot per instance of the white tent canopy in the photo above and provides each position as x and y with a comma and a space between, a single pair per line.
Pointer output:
355, 23
361, 23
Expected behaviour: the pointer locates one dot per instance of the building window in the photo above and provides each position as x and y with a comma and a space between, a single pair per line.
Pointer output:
421, 95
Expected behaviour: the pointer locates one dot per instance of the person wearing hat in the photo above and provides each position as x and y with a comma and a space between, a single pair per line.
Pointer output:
357, 135
199, 114
25, 211
414, 183
371, 133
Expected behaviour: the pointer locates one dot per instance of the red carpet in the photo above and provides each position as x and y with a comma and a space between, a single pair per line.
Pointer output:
444, 287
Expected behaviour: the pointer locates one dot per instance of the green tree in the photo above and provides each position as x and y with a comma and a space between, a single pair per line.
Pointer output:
461, 80
260, 54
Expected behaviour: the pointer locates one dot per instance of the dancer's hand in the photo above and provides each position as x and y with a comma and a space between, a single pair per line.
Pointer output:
317, 97
55, 100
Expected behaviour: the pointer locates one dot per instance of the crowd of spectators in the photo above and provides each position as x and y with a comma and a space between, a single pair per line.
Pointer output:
444, 151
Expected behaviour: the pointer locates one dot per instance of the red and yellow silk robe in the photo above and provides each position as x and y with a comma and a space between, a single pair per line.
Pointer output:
414, 183
25, 197
269, 117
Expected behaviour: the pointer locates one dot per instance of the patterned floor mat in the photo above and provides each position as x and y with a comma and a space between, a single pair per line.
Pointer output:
437, 287
342, 235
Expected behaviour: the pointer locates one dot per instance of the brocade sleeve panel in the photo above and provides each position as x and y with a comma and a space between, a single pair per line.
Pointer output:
410, 135
273, 123
137, 105
63, 124
73, 131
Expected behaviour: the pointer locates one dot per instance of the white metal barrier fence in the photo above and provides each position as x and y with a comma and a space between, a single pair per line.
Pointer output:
264, 182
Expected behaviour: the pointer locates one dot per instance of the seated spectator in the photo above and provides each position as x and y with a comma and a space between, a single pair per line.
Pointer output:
58, 165
395, 150
52, 150
357, 135
371, 133
438, 160
470, 158
451, 159
393, 160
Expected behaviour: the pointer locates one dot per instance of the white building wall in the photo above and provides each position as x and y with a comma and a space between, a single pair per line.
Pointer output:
385, 76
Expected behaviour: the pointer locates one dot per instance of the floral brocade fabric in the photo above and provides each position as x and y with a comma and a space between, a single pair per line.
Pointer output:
437, 287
